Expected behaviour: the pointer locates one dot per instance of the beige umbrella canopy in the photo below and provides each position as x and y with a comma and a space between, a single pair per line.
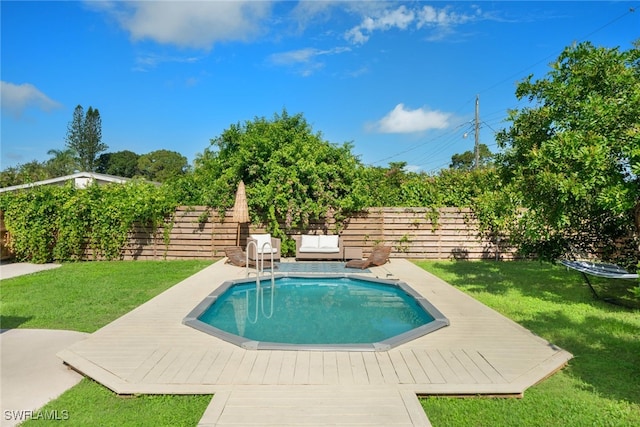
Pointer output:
240, 209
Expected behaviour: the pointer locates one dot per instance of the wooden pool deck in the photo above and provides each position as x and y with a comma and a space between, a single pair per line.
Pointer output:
150, 351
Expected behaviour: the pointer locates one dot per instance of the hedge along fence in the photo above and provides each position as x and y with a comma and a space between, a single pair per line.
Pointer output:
420, 233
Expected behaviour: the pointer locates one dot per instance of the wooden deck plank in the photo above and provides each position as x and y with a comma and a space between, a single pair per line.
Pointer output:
172, 369
430, 367
301, 374
487, 369
345, 374
259, 367
316, 368
371, 364
287, 370
227, 371
197, 375
330, 368
273, 368
245, 367
415, 367
188, 367
400, 367
357, 368
386, 368
162, 365
469, 365
143, 369
458, 368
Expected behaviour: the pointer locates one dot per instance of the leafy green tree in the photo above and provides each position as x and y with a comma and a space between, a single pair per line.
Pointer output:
121, 163
24, 174
162, 165
292, 174
62, 162
84, 136
32, 171
466, 160
573, 157
10, 176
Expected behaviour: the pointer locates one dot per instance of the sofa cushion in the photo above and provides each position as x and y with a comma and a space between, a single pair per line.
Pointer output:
309, 241
304, 250
329, 241
261, 239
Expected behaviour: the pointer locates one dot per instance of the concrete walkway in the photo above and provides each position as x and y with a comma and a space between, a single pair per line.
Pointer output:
30, 373
14, 269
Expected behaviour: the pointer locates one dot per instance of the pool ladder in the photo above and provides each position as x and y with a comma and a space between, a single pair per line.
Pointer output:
258, 272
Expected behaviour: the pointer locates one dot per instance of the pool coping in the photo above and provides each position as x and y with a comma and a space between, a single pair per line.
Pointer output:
439, 320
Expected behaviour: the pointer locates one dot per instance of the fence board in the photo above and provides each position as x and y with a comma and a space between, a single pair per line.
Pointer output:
200, 233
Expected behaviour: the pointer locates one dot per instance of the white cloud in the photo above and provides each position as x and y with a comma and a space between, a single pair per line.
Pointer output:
403, 120
304, 55
429, 15
307, 58
144, 62
440, 20
400, 18
311, 12
195, 24
17, 98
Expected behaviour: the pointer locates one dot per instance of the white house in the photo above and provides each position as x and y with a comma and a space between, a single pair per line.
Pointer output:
80, 180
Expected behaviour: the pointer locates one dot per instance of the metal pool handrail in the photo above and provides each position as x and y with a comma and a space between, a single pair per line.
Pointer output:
259, 271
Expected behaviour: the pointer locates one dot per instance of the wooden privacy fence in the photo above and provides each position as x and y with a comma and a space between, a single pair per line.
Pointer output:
199, 233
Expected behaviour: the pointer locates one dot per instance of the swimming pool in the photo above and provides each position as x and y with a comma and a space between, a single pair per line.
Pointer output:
337, 312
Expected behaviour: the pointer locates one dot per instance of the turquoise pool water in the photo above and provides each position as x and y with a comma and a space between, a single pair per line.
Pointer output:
315, 311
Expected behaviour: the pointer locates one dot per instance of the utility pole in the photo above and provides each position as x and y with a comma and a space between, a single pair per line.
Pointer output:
477, 132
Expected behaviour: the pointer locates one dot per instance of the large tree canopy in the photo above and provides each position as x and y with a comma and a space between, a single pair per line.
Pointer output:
121, 163
162, 165
466, 160
291, 174
574, 156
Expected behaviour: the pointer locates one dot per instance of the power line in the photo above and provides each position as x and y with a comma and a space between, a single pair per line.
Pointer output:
438, 149
419, 145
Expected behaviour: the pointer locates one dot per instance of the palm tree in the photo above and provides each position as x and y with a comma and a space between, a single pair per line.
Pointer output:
62, 162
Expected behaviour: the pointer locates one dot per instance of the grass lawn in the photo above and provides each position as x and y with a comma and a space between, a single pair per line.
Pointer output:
85, 296
599, 387
91, 404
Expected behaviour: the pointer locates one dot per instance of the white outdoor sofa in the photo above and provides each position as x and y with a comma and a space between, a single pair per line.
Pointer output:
321, 247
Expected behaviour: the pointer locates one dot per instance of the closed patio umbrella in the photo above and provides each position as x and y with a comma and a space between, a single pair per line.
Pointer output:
240, 209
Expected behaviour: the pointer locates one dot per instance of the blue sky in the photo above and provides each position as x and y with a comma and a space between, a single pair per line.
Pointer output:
396, 79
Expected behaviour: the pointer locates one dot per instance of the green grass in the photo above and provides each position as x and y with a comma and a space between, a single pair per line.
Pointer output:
90, 404
599, 387
86, 296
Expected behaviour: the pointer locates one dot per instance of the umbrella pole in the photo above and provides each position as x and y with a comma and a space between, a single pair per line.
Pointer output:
238, 236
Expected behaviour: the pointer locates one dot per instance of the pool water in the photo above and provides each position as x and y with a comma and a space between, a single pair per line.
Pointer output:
302, 310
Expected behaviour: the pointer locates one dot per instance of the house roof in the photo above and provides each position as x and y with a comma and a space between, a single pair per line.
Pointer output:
81, 180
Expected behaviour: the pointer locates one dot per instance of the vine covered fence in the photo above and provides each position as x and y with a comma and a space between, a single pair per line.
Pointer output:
199, 233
